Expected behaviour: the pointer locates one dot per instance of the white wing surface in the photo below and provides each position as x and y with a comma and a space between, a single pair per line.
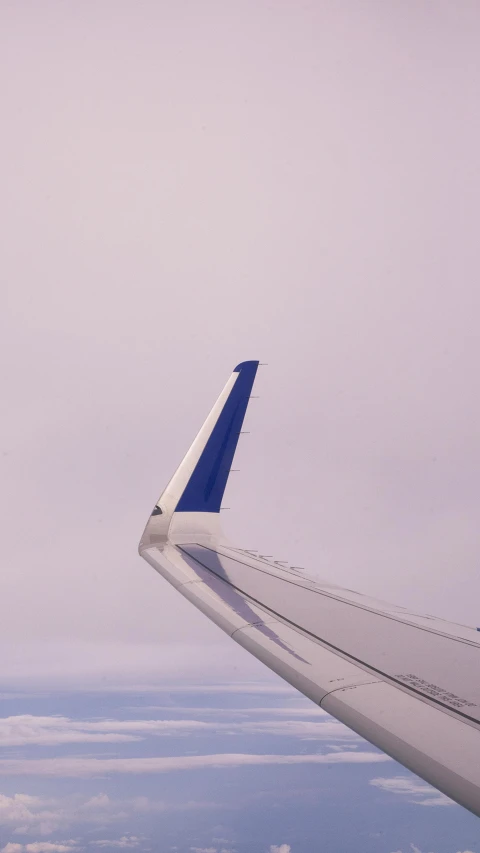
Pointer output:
407, 683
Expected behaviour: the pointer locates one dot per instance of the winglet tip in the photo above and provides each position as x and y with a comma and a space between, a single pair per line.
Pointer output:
245, 365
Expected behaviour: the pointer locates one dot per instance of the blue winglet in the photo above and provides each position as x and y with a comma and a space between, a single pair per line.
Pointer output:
205, 488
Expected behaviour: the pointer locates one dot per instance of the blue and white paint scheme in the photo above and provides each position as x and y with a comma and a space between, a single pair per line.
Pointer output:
410, 684
192, 500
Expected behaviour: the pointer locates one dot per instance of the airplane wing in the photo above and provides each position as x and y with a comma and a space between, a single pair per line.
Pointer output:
407, 683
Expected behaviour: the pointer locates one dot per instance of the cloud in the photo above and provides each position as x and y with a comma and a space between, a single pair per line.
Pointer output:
123, 842
210, 850
282, 848
38, 847
27, 729
417, 791
24, 814
204, 849
89, 767
48, 847
328, 730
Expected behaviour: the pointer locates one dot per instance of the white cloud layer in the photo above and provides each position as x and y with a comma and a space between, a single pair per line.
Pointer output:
211, 850
38, 847
203, 849
126, 841
27, 815
282, 848
27, 729
417, 791
90, 767
24, 813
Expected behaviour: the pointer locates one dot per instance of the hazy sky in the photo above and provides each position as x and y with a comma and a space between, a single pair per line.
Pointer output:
191, 184
187, 185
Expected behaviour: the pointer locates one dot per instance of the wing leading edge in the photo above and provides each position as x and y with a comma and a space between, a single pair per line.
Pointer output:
407, 683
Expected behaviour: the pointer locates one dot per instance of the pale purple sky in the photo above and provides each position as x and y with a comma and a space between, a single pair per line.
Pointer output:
191, 184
